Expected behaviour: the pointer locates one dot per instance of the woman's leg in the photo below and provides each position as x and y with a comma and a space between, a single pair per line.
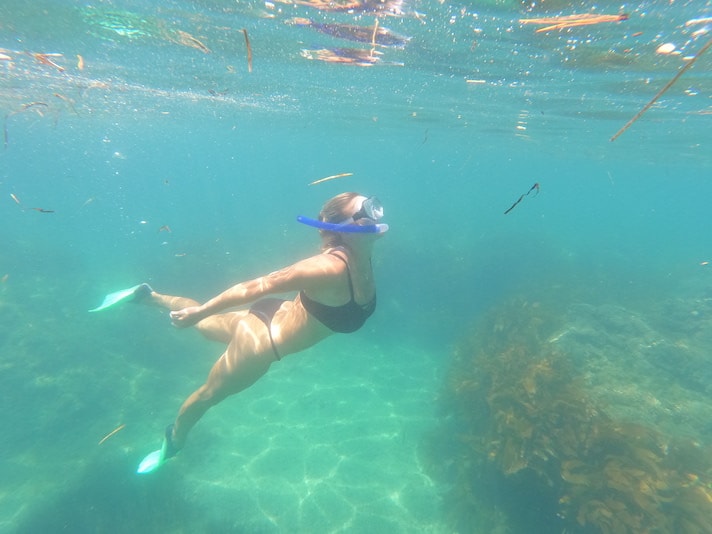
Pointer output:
240, 366
217, 327
170, 302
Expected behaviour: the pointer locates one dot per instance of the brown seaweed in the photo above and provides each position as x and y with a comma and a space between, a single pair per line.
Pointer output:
525, 411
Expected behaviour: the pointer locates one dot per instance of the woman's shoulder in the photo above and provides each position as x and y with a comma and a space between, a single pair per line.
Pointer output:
309, 273
324, 263
340, 252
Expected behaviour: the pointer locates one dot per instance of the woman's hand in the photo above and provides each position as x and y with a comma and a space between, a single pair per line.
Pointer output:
187, 316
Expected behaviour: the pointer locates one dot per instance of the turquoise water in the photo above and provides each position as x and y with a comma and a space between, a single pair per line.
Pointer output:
448, 131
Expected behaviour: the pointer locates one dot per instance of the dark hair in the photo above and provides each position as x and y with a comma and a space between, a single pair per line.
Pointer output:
334, 211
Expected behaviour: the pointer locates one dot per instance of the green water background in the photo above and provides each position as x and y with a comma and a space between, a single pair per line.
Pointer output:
152, 133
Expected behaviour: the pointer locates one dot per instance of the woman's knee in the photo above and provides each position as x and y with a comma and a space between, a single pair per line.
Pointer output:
211, 394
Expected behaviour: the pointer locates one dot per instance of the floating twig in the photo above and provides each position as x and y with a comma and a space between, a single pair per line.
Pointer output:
68, 101
662, 91
17, 201
25, 107
45, 60
249, 50
333, 177
373, 36
535, 187
348, 56
187, 39
29, 105
570, 21
111, 433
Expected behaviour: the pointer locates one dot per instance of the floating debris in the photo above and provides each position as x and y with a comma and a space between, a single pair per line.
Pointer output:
571, 21
30, 105
385, 7
118, 428
17, 201
332, 177
249, 50
186, 39
349, 56
68, 101
662, 91
373, 35
535, 187
45, 59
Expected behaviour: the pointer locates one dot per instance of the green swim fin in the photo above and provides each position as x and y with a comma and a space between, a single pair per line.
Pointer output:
119, 296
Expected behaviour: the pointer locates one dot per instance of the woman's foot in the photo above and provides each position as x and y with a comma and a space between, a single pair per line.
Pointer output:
169, 449
142, 292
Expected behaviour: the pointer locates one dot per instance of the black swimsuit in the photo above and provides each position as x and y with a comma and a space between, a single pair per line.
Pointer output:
264, 310
344, 319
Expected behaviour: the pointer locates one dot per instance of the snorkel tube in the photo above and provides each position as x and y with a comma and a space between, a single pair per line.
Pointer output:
348, 228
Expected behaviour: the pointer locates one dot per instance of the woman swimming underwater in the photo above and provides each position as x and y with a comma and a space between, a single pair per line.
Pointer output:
335, 292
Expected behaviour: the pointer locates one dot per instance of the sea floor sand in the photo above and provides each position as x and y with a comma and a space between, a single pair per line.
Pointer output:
328, 441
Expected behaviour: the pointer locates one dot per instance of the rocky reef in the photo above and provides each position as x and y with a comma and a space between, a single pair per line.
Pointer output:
590, 418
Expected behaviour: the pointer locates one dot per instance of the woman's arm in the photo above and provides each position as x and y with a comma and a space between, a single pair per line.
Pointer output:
306, 274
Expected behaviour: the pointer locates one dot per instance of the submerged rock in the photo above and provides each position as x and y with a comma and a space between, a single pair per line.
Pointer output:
598, 413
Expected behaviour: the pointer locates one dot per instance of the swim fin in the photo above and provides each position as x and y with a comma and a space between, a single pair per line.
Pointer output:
151, 462
119, 296
157, 458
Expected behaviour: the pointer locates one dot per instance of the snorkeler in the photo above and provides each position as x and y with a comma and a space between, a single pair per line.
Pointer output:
335, 293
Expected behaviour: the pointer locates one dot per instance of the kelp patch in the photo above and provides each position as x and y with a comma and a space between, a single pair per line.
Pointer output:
536, 439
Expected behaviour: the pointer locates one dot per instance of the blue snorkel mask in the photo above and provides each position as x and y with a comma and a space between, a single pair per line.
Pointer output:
371, 210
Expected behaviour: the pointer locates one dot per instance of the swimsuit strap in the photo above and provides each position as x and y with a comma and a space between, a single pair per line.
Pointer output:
348, 274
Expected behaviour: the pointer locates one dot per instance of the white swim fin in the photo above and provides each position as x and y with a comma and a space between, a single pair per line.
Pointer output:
151, 462
119, 296
157, 458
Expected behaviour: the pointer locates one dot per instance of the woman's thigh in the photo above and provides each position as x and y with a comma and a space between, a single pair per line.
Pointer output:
246, 359
221, 327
